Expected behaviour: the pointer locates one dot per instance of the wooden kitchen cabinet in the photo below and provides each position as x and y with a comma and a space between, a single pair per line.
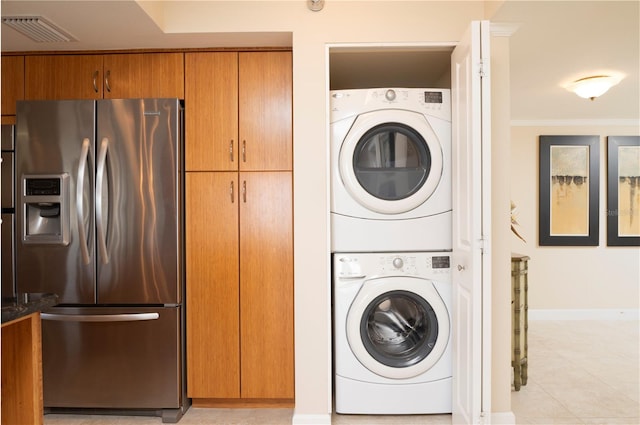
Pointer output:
241, 118
12, 83
266, 285
211, 126
53, 77
239, 228
21, 401
213, 293
239, 245
104, 76
265, 104
144, 75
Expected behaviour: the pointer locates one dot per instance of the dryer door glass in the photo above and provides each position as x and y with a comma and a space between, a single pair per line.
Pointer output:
391, 161
399, 328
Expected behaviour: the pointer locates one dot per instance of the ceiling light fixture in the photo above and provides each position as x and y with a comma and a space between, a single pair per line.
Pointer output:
592, 87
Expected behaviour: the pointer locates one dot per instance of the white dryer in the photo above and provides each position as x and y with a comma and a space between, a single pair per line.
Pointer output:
392, 333
390, 170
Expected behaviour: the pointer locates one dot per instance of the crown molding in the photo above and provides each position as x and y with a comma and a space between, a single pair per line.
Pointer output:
577, 123
504, 29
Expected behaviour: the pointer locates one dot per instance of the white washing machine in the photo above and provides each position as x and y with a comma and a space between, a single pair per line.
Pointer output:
390, 170
392, 333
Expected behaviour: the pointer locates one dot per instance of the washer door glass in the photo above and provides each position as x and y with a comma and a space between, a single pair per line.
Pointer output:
399, 329
398, 326
391, 161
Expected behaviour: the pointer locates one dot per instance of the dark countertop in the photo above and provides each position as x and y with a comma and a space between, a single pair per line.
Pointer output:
25, 304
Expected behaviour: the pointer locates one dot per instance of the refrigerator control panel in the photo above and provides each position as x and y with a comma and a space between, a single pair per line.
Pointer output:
42, 186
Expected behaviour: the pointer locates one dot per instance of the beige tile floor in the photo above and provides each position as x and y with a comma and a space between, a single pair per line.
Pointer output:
580, 373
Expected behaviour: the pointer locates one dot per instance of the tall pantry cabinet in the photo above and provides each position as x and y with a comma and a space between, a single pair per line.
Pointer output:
239, 227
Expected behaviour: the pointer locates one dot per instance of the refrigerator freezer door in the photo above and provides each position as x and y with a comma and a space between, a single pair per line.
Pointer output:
56, 138
124, 358
138, 190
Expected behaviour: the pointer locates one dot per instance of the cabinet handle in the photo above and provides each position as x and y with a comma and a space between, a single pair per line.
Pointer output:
231, 151
106, 81
244, 151
244, 191
95, 81
231, 193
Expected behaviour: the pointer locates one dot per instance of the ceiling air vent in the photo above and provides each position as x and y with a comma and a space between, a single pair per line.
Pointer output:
38, 29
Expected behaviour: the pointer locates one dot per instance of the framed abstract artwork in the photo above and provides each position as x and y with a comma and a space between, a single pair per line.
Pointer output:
568, 191
623, 190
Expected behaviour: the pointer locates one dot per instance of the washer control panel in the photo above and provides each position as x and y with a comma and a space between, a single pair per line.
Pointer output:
429, 265
398, 264
346, 267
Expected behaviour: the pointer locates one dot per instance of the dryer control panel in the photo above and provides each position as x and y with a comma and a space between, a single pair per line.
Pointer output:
434, 102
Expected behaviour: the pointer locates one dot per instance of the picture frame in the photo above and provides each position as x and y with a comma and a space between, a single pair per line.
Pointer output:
569, 190
623, 190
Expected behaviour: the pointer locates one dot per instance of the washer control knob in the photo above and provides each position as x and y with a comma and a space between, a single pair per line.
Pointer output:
398, 263
390, 95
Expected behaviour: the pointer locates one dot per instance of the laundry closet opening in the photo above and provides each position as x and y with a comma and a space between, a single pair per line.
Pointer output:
391, 229
363, 67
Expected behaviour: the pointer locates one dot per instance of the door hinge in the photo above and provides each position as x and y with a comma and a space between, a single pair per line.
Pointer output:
481, 70
482, 244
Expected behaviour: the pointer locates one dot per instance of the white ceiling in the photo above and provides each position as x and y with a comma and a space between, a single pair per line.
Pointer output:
561, 41
555, 42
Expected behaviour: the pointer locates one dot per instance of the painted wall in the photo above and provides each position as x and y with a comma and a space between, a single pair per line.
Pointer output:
374, 22
601, 280
500, 246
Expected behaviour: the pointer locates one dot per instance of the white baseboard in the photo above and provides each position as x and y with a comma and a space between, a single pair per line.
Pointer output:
502, 418
302, 419
585, 314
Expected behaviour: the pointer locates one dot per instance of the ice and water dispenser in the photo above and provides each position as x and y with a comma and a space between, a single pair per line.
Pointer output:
46, 209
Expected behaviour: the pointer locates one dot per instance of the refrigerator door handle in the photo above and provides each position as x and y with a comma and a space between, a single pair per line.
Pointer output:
82, 235
100, 220
132, 317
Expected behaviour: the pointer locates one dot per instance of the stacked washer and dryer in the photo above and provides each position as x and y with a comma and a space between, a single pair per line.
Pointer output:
391, 240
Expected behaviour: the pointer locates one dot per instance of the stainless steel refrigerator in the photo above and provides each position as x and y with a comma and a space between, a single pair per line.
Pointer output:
99, 221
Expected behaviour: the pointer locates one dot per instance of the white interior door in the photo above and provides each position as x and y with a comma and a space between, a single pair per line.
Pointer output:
471, 207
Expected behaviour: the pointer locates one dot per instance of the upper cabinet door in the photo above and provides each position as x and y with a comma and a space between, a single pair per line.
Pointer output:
54, 77
144, 75
12, 83
265, 117
211, 98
